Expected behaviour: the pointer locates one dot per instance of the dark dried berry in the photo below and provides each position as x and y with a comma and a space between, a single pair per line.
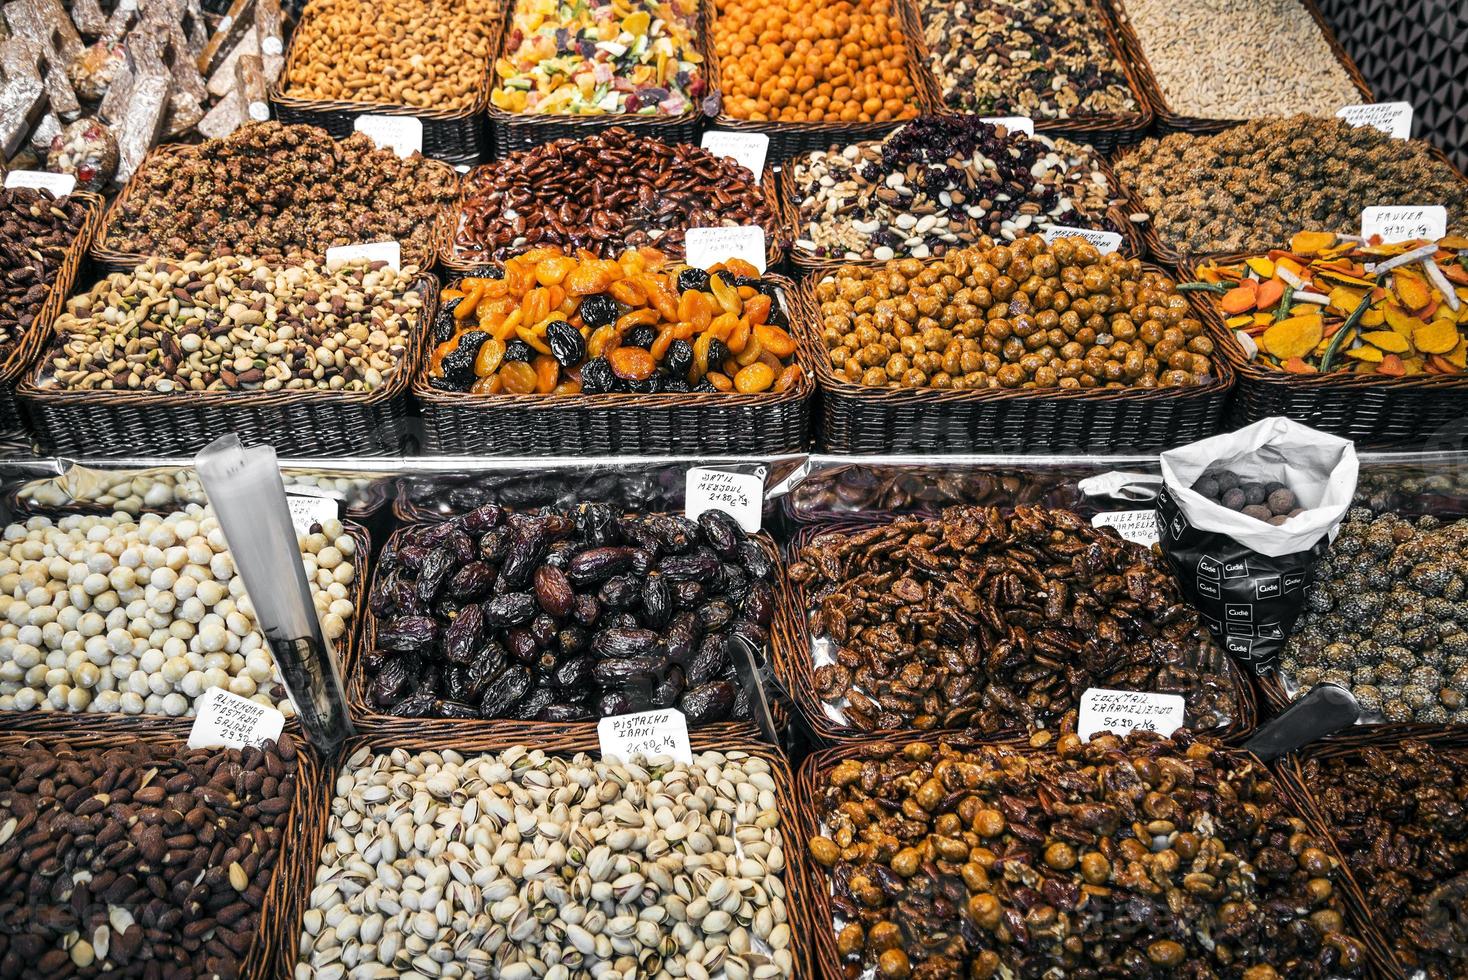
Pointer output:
597, 377
518, 350
458, 364
641, 335
598, 310
693, 279
566, 343
678, 359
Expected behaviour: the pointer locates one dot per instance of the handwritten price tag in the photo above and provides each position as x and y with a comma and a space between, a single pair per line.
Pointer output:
1133, 525
58, 184
1106, 242
1015, 124
1120, 712
1399, 223
740, 495
647, 733
389, 252
227, 719
706, 247
401, 134
308, 509
1392, 118
747, 149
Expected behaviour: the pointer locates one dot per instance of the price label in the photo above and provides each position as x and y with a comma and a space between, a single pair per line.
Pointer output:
705, 247
58, 184
258, 111
1133, 525
225, 23
389, 252
227, 719
271, 46
307, 510
1120, 712
1015, 124
1106, 242
1401, 223
401, 134
740, 495
747, 149
1392, 118
647, 733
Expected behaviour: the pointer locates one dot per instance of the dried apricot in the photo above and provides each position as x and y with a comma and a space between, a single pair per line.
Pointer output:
551, 271
788, 378
632, 363
487, 361
592, 277
775, 340
628, 292
753, 379
547, 373
518, 378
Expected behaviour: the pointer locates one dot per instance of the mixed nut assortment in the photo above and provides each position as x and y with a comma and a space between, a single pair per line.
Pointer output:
517, 864
144, 859
236, 324
1386, 617
1022, 315
1144, 857
998, 621
568, 615
554, 324
280, 192
939, 182
431, 54
1046, 59
1249, 188
1330, 303
116, 615
37, 230
1396, 813
601, 57
1272, 502
606, 193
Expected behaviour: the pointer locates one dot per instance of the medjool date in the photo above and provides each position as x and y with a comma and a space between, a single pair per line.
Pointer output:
575, 673
644, 671
504, 692
599, 564
471, 581
464, 635
708, 702
407, 633
510, 609
621, 641
618, 592
553, 591
722, 531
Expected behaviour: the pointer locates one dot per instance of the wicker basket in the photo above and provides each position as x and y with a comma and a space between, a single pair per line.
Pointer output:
461, 262
428, 499
863, 420
457, 135
317, 821
512, 132
111, 260
371, 719
795, 663
1276, 699
27, 347
1169, 121
1106, 130
297, 422
789, 139
806, 262
1373, 410
96, 721
618, 423
291, 877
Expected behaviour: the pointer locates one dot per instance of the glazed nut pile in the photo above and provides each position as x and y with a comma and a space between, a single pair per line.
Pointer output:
938, 182
517, 864
1046, 59
432, 54
143, 616
1249, 188
36, 231
981, 619
1142, 858
275, 191
1018, 316
236, 324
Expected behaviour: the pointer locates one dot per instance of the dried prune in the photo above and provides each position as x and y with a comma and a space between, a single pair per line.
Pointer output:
641, 335
519, 350
444, 323
458, 364
567, 345
597, 376
678, 360
693, 279
598, 310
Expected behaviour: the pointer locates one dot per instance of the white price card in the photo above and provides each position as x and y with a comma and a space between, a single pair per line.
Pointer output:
309, 509
707, 247
1120, 712
1401, 223
401, 134
1392, 118
740, 495
227, 719
1015, 124
747, 149
272, 46
258, 111
58, 184
389, 252
1133, 525
1106, 242
647, 733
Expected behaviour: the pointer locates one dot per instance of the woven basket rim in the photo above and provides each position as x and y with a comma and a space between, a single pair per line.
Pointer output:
28, 346
829, 384
32, 391
112, 260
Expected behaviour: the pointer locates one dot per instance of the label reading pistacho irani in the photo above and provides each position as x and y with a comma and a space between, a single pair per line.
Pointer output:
1120, 712
1392, 118
647, 733
1402, 223
223, 718
1106, 242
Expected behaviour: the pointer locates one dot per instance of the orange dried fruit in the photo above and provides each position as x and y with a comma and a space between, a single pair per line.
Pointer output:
491, 354
753, 379
1293, 336
757, 309
1437, 337
591, 278
518, 378
547, 373
1392, 365
788, 378
602, 340
741, 268
775, 340
1387, 340
720, 381
1414, 293
632, 363
628, 292
550, 271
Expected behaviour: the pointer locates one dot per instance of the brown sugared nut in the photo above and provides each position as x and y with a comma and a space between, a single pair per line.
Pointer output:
277, 192
1020, 316
1257, 898
36, 229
